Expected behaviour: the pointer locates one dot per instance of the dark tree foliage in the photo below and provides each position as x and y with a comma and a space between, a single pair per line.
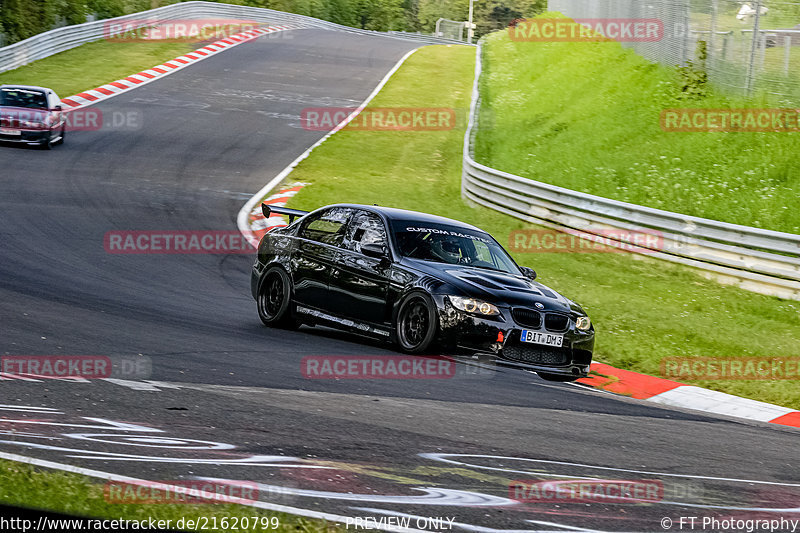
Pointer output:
20, 19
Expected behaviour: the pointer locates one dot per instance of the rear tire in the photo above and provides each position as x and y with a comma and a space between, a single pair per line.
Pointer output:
416, 325
561, 378
274, 299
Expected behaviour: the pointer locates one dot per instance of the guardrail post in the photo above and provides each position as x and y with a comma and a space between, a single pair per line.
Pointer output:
712, 41
750, 81
787, 52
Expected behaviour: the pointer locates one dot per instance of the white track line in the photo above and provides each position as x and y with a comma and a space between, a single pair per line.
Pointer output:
242, 220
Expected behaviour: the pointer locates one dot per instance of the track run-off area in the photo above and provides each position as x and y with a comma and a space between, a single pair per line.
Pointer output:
224, 398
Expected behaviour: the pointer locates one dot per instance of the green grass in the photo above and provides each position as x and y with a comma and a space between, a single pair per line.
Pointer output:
586, 116
75, 495
643, 309
94, 64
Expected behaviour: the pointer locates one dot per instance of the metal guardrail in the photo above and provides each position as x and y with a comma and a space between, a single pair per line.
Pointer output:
758, 260
60, 39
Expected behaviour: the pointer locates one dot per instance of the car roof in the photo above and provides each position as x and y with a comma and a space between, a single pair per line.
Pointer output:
26, 87
393, 213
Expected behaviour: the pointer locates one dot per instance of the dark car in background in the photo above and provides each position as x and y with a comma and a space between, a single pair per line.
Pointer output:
31, 115
424, 282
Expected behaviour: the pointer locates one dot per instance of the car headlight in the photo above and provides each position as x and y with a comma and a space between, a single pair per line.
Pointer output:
583, 323
471, 305
33, 124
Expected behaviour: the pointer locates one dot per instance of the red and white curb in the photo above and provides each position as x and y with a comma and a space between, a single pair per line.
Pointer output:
675, 394
144, 77
258, 224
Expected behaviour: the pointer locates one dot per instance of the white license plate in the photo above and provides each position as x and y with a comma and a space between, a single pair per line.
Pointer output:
9, 131
535, 337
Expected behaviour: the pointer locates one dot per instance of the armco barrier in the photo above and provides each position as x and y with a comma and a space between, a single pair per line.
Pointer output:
61, 39
758, 260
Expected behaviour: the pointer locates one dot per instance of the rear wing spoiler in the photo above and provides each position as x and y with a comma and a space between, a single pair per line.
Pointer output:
270, 210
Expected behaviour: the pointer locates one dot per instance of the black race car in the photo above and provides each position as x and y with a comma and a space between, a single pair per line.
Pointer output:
424, 282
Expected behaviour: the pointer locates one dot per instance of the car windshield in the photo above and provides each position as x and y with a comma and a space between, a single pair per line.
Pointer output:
30, 99
451, 244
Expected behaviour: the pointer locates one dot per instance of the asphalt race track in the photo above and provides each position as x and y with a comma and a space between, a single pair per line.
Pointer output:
210, 136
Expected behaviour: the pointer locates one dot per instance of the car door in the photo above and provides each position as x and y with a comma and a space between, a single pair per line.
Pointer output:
319, 238
359, 283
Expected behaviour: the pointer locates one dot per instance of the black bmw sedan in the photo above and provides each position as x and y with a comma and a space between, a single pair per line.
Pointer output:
426, 283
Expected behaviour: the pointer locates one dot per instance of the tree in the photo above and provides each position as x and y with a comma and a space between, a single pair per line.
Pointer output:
411, 15
493, 15
381, 15
432, 10
73, 11
105, 9
340, 12
22, 19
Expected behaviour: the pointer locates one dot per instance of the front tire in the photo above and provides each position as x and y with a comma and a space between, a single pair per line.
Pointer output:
47, 144
416, 324
274, 299
61, 138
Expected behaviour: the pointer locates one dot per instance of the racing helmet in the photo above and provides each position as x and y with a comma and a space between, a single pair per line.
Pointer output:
446, 248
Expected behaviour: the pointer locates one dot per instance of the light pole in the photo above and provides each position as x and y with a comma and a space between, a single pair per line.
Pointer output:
469, 24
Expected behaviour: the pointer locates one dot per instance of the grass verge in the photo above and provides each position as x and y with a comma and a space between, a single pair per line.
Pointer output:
94, 64
586, 116
72, 494
643, 309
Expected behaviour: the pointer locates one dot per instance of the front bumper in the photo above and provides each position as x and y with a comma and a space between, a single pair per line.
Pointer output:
27, 137
500, 335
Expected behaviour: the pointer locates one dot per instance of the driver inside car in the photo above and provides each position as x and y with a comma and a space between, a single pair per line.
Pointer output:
448, 249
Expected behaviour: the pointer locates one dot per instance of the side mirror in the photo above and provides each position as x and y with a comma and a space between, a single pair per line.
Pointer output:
528, 272
58, 108
373, 250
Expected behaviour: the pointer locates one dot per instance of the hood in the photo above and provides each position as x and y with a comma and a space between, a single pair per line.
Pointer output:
495, 287
29, 111
14, 114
